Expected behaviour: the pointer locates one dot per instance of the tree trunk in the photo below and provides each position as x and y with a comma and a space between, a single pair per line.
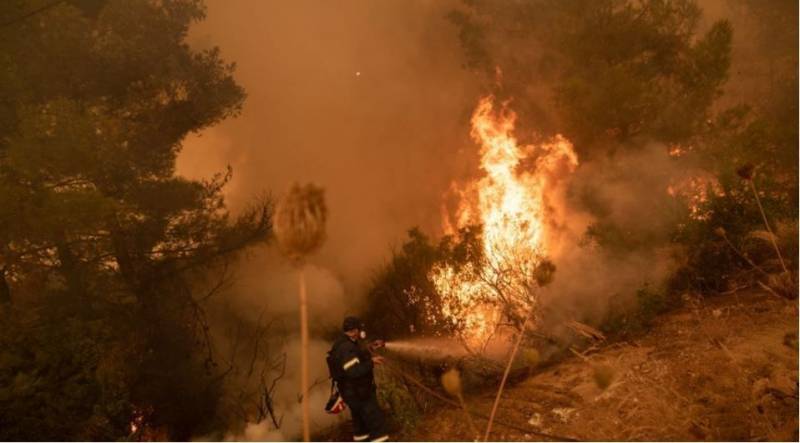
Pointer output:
70, 266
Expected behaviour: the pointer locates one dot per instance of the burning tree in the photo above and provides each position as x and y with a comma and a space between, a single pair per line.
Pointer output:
503, 274
501, 222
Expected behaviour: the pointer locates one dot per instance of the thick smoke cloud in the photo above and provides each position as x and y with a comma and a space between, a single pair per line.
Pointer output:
366, 99
633, 190
370, 100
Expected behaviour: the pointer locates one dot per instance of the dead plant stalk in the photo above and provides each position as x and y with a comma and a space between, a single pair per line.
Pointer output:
304, 352
472, 427
300, 230
766, 224
505, 376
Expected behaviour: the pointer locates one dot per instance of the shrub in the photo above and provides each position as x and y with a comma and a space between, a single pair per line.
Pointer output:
635, 316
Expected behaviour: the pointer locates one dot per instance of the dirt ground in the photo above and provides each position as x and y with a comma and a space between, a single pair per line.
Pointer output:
724, 368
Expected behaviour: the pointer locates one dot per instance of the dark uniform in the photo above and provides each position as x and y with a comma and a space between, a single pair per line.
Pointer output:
356, 384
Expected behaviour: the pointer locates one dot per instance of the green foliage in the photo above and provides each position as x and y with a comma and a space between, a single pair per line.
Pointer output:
394, 396
711, 263
403, 279
617, 75
632, 317
651, 303
762, 134
401, 299
616, 70
64, 380
104, 251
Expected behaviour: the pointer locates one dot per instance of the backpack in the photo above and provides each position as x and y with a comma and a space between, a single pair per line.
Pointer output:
335, 403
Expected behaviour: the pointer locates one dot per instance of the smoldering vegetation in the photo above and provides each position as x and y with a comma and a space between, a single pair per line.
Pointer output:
143, 297
660, 101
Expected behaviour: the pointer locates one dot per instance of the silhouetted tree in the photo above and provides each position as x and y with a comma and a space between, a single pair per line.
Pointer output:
107, 253
603, 73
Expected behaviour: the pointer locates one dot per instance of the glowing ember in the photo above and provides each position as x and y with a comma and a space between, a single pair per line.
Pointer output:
676, 151
697, 192
141, 429
509, 203
137, 420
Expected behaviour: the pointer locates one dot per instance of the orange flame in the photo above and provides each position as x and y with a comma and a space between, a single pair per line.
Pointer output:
509, 203
697, 191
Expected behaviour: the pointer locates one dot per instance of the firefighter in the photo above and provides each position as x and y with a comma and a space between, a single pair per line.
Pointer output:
356, 382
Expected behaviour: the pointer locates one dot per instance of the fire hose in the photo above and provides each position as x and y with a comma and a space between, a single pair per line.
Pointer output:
444, 399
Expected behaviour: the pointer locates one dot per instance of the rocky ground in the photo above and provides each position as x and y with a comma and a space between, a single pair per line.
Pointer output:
723, 368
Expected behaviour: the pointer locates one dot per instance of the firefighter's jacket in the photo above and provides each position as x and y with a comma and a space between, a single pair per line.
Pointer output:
354, 370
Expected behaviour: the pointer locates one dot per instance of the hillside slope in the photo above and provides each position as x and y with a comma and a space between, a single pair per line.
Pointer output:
720, 369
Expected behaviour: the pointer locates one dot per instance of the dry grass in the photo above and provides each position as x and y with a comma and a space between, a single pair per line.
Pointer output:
694, 376
451, 382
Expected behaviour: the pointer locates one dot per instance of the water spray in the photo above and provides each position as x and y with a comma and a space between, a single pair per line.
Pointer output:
427, 348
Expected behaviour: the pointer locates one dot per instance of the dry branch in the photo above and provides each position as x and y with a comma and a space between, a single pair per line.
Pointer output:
505, 376
585, 330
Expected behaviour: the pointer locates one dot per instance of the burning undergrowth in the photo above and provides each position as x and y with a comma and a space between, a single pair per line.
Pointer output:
537, 233
502, 221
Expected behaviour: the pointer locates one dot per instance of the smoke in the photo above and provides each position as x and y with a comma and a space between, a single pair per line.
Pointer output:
765, 47
287, 402
266, 281
630, 191
263, 297
370, 101
367, 100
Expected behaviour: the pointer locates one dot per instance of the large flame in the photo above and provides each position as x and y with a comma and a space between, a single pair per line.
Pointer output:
509, 202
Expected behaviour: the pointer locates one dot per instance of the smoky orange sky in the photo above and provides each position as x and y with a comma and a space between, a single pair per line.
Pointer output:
367, 99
